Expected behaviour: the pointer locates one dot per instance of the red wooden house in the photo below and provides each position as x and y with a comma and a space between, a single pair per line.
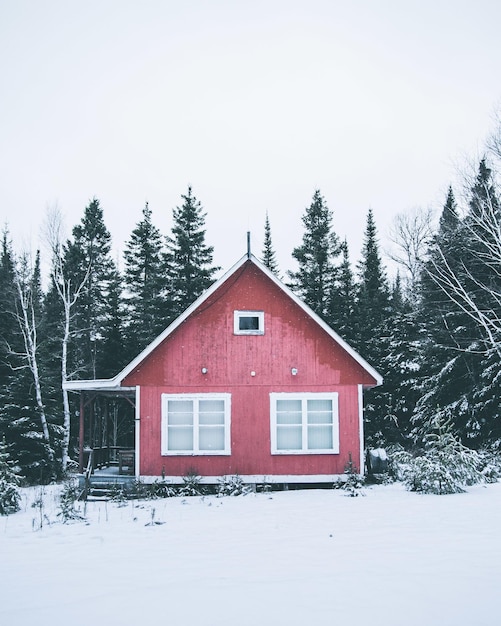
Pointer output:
248, 381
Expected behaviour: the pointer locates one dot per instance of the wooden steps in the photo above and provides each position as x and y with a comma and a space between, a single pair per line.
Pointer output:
101, 488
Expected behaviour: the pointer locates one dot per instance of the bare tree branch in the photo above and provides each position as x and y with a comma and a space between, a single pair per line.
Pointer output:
411, 233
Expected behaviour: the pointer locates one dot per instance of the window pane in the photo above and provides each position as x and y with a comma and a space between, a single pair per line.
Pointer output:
248, 322
320, 438
289, 438
180, 438
319, 411
320, 405
180, 412
289, 412
211, 438
211, 412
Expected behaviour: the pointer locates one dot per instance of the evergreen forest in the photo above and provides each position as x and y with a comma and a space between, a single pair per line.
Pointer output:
432, 329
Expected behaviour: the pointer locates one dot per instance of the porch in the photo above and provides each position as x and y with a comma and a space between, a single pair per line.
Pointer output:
107, 432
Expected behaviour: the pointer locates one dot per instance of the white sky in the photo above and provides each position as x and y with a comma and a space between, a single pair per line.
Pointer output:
255, 104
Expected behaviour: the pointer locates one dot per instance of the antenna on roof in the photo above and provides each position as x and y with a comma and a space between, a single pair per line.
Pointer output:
248, 245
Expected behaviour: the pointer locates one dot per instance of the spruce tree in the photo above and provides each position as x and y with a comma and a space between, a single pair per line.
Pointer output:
269, 256
373, 296
9, 482
114, 356
454, 354
372, 333
483, 192
341, 316
9, 329
88, 262
145, 278
24, 419
188, 257
315, 279
449, 218
390, 407
483, 280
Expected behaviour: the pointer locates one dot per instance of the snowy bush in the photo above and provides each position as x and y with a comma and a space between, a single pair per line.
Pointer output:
192, 485
160, 489
232, 486
354, 481
68, 510
9, 482
490, 465
9, 498
444, 466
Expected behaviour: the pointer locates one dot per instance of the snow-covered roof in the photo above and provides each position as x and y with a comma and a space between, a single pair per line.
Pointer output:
114, 383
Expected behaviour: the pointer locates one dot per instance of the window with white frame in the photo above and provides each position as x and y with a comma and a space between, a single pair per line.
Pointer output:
305, 423
195, 424
248, 322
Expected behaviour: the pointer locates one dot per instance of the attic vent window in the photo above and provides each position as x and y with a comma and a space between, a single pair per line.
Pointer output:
248, 323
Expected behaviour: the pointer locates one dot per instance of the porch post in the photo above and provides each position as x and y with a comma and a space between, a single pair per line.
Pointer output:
81, 435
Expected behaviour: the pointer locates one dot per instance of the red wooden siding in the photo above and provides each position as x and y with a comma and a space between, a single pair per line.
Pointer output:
206, 339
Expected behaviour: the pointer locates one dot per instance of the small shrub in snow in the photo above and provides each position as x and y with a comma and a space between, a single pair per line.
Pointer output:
39, 504
9, 482
160, 489
192, 485
354, 481
68, 510
232, 486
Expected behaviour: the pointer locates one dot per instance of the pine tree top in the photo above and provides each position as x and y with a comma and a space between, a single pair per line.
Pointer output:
449, 219
269, 257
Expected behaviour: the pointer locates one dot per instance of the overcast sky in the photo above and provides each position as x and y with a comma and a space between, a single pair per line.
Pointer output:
255, 104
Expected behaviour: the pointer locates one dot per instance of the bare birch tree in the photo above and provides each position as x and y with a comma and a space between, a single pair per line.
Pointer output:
68, 294
28, 325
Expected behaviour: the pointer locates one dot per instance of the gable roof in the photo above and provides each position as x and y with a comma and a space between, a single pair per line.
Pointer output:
110, 384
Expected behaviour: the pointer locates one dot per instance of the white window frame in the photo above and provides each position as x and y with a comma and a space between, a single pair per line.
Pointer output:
195, 397
304, 397
237, 315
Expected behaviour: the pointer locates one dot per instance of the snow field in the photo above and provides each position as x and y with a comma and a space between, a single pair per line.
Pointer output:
294, 558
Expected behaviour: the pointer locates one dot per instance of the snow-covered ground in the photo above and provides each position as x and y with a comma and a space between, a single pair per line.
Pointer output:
304, 558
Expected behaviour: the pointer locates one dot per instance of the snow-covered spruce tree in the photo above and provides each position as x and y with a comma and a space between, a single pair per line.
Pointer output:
188, 257
145, 282
445, 465
390, 407
446, 375
9, 482
269, 256
371, 329
461, 295
317, 272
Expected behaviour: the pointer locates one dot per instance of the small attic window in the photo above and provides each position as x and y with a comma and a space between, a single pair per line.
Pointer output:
248, 323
